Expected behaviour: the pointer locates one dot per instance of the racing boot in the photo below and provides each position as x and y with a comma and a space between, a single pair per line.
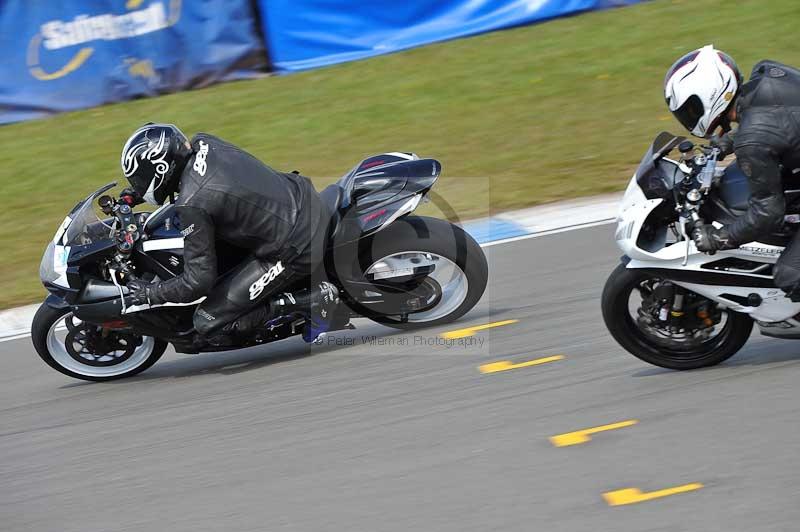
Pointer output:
323, 315
318, 304
234, 332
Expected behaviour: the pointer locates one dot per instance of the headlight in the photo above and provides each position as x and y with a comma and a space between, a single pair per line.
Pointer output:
655, 183
47, 271
658, 180
53, 268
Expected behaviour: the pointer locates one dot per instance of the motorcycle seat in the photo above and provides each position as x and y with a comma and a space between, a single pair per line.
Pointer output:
331, 197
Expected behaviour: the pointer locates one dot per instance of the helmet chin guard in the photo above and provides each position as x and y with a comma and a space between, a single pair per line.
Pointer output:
699, 89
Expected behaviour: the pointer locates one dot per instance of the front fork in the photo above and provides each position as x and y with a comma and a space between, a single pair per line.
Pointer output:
673, 307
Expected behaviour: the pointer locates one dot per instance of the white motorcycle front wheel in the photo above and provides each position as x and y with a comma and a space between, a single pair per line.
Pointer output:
667, 347
88, 352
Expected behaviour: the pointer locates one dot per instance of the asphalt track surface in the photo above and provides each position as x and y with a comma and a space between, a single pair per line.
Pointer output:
402, 437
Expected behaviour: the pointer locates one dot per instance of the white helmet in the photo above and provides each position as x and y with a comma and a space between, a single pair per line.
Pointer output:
700, 87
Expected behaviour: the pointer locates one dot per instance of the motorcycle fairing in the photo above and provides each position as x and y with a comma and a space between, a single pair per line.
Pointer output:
696, 274
56, 268
714, 284
774, 307
378, 191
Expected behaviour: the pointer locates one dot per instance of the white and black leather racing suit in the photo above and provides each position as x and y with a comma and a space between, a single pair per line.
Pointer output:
227, 194
767, 147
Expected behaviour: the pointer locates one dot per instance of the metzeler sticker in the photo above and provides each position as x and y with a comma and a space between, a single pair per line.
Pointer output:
763, 252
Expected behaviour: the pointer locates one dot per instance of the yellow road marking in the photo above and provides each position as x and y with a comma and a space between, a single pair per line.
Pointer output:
634, 495
505, 365
582, 436
469, 331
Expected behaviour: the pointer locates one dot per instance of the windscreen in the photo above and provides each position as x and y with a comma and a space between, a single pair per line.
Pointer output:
655, 180
86, 227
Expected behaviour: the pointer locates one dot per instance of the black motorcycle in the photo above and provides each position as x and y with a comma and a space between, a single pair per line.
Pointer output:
398, 270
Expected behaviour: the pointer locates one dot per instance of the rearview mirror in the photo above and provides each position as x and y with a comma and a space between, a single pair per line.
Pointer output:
106, 204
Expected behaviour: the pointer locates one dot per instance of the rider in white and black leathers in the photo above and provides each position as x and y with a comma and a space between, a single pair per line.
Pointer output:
224, 193
704, 90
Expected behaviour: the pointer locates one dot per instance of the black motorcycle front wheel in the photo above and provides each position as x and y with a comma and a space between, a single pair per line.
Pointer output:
418, 272
728, 336
85, 351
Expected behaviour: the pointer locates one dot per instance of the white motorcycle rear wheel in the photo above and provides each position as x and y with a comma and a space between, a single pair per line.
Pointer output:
458, 270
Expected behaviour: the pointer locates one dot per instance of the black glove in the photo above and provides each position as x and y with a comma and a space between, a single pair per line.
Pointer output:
131, 197
140, 292
724, 143
709, 239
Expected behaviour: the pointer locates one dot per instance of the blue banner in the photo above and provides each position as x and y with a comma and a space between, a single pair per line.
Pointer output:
304, 34
72, 54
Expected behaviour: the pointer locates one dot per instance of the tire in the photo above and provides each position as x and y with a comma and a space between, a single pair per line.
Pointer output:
626, 332
44, 324
457, 252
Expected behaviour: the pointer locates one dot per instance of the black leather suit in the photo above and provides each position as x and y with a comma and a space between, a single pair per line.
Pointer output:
767, 146
227, 194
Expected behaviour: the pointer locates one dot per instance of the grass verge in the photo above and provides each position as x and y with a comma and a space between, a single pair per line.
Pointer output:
517, 117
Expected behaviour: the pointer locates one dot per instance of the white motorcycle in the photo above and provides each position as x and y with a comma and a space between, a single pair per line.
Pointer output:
672, 305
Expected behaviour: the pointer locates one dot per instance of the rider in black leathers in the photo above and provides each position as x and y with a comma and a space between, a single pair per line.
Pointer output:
767, 148
224, 193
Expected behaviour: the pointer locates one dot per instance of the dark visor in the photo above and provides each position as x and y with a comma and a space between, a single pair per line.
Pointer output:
690, 113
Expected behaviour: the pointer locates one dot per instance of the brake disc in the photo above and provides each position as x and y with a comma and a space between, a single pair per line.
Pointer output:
89, 347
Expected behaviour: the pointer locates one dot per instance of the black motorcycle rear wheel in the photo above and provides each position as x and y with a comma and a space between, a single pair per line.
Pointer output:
458, 273
628, 333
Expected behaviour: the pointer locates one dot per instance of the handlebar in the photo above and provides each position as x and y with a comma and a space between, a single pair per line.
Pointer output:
122, 210
707, 173
690, 218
